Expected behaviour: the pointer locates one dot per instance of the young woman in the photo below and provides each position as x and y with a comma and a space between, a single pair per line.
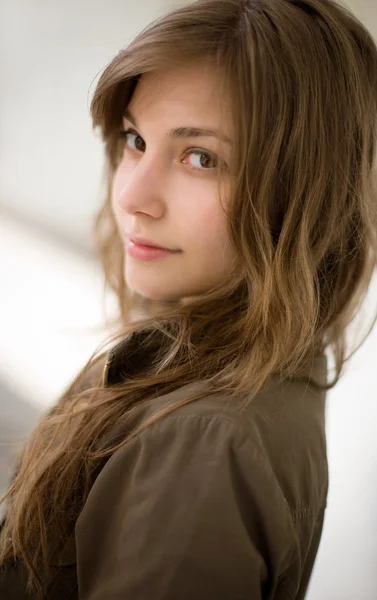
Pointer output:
188, 460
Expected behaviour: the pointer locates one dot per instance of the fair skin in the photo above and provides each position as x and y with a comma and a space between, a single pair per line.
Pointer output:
168, 193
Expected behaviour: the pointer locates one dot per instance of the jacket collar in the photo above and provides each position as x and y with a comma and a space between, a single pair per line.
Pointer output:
131, 355
134, 353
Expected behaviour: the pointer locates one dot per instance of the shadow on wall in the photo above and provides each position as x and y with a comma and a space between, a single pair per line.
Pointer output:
18, 419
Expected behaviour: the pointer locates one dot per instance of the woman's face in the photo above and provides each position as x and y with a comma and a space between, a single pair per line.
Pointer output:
166, 187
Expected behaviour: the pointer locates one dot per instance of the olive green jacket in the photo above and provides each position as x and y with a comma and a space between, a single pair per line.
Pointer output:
209, 503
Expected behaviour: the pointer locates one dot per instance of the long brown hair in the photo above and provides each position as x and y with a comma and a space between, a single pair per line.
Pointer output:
302, 217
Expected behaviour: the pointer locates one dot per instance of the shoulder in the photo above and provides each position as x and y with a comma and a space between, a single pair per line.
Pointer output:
194, 474
279, 439
182, 510
207, 439
213, 489
282, 430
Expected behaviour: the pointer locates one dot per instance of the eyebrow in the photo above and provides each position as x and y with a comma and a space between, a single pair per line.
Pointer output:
186, 132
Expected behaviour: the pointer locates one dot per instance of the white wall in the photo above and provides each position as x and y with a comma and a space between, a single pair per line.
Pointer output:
51, 54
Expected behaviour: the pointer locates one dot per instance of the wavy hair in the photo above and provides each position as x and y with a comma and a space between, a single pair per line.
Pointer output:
302, 216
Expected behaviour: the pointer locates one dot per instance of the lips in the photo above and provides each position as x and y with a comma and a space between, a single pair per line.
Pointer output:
147, 245
146, 253
143, 241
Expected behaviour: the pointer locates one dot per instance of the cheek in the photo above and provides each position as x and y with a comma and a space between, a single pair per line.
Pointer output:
211, 252
209, 226
116, 188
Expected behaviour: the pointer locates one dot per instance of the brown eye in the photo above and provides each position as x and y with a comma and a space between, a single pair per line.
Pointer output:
133, 140
139, 143
202, 160
207, 161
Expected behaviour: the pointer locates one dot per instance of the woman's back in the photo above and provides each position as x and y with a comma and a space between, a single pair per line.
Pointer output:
235, 490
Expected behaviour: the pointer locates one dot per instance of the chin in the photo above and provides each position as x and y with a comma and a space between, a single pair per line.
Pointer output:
161, 298
157, 289
156, 295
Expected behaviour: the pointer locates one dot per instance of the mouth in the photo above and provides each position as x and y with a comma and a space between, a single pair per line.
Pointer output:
145, 252
141, 241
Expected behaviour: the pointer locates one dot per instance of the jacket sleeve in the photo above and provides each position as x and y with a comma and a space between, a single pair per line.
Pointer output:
189, 509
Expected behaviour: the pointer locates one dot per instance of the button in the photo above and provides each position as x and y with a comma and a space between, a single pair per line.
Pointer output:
105, 373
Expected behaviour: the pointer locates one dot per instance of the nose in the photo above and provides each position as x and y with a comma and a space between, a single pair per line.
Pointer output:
141, 188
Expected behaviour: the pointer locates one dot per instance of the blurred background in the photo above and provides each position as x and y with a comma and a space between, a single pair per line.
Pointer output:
52, 311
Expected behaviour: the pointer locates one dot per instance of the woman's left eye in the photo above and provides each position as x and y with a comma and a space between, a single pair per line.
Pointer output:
202, 160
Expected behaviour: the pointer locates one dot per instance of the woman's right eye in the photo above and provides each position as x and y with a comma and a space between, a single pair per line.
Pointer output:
132, 137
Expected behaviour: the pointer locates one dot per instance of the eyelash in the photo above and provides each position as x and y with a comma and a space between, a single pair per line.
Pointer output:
123, 134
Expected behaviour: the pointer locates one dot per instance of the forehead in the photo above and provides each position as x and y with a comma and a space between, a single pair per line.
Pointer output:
183, 92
